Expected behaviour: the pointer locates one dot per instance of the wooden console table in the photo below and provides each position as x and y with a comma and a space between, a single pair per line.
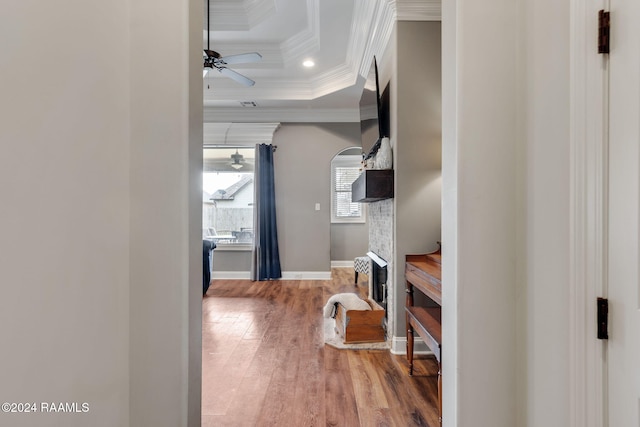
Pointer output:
424, 272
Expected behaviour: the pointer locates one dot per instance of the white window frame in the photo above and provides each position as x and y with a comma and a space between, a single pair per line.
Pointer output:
223, 245
341, 162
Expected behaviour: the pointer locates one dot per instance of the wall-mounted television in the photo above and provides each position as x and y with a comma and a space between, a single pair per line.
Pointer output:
374, 111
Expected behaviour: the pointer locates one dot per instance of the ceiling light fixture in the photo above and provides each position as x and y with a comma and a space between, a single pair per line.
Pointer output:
308, 63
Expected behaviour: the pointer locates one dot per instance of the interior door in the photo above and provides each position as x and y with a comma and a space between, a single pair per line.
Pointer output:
623, 364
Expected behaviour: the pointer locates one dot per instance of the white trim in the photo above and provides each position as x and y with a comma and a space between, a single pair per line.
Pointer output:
419, 10
588, 186
228, 133
399, 346
308, 40
345, 161
342, 264
375, 258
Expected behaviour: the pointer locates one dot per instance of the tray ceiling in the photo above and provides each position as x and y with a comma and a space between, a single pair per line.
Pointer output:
340, 36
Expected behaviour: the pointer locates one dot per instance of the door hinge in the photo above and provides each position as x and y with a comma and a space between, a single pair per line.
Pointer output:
603, 31
603, 318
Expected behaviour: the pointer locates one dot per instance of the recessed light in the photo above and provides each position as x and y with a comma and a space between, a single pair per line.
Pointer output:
308, 63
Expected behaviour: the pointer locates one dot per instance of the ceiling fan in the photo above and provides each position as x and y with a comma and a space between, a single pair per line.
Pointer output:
237, 160
213, 60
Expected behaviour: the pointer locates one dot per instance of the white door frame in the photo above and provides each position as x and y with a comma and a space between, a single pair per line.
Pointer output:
588, 175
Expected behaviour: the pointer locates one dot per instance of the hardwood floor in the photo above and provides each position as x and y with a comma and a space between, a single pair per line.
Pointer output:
264, 363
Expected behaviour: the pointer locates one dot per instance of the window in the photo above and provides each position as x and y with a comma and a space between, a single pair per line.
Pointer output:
345, 168
227, 196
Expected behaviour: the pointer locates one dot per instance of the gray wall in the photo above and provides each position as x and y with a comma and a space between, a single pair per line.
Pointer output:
410, 222
348, 241
303, 178
417, 127
231, 260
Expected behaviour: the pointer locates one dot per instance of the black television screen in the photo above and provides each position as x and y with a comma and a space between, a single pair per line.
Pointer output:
374, 111
384, 118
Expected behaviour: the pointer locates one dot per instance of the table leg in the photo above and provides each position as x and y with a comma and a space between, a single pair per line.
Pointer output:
440, 392
410, 348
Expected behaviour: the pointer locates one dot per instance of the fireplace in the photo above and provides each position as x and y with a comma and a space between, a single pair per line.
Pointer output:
378, 280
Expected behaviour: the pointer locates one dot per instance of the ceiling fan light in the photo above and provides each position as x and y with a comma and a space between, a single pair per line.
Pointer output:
205, 71
236, 165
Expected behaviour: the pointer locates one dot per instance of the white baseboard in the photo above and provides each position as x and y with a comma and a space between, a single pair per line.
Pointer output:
342, 264
286, 275
399, 346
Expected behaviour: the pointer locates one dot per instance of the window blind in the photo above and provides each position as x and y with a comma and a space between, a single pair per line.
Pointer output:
343, 178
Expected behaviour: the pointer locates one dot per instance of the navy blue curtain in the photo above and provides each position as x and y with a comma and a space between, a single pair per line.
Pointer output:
265, 263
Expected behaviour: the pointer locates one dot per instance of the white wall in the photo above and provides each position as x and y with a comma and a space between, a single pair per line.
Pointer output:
543, 297
505, 213
64, 221
166, 209
482, 244
79, 113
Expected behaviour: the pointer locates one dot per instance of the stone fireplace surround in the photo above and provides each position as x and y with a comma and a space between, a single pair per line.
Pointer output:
380, 218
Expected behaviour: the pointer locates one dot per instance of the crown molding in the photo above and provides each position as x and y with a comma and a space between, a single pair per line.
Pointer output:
370, 33
232, 15
362, 35
297, 46
265, 89
227, 133
371, 30
338, 78
382, 23
291, 115
259, 10
276, 89
419, 10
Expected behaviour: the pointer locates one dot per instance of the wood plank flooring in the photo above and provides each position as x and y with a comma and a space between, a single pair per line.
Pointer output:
264, 362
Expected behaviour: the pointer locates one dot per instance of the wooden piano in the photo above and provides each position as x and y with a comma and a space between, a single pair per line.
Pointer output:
424, 273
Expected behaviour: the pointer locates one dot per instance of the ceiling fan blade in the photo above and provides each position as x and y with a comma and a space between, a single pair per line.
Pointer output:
236, 76
242, 58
